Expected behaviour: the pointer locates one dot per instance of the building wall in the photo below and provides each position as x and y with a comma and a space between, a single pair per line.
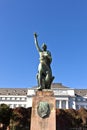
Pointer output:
13, 100
81, 101
65, 98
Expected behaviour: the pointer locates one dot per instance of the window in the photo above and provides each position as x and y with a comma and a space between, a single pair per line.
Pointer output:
57, 103
84, 99
25, 105
8, 98
3, 98
14, 105
23, 98
13, 98
10, 105
77, 107
64, 104
18, 98
73, 98
20, 105
82, 106
78, 99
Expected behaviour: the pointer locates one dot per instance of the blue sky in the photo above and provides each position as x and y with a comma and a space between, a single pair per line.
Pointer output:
61, 24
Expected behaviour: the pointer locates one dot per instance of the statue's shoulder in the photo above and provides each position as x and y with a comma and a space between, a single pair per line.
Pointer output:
48, 52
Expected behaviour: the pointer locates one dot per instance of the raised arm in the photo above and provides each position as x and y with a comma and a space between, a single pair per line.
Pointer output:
36, 43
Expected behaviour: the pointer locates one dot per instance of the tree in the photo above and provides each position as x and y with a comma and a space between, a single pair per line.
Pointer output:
5, 113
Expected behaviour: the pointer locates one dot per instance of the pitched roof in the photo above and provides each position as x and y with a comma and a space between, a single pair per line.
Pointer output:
81, 92
58, 85
13, 91
23, 91
54, 85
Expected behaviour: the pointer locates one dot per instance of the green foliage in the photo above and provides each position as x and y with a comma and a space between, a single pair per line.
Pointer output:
5, 113
19, 119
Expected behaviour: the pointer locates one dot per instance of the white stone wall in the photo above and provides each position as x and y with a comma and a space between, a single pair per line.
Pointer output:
29, 101
61, 95
13, 100
65, 98
63, 91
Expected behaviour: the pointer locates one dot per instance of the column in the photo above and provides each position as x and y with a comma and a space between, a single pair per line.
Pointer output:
60, 104
67, 104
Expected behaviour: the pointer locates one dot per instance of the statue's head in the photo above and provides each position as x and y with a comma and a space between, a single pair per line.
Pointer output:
44, 46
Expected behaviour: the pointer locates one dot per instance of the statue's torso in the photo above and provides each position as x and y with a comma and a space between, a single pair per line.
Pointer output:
45, 57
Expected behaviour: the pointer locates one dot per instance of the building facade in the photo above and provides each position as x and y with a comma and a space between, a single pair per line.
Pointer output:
13, 97
65, 97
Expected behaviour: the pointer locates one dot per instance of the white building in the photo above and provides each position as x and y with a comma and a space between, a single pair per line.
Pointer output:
65, 97
81, 98
13, 97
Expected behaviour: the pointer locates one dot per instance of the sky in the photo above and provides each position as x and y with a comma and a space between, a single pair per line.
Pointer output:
61, 24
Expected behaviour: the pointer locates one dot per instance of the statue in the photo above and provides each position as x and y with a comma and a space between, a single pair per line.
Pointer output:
44, 75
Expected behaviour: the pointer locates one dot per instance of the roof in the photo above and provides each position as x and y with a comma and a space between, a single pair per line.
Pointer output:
81, 92
54, 85
13, 91
23, 91
58, 85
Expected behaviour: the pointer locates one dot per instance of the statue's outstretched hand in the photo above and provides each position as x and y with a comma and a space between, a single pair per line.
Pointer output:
35, 35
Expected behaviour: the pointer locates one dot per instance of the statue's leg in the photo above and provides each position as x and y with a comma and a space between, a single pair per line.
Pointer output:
40, 80
49, 78
37, 79
40, 77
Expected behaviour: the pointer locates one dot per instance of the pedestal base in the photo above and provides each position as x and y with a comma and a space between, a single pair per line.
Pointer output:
48, 122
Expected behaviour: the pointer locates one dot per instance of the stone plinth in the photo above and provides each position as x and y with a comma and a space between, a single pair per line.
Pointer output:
48, 122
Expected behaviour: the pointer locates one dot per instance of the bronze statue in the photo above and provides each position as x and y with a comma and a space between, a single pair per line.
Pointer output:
44, 76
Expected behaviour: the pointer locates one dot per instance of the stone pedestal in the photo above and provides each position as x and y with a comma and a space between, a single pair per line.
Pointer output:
49, 121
